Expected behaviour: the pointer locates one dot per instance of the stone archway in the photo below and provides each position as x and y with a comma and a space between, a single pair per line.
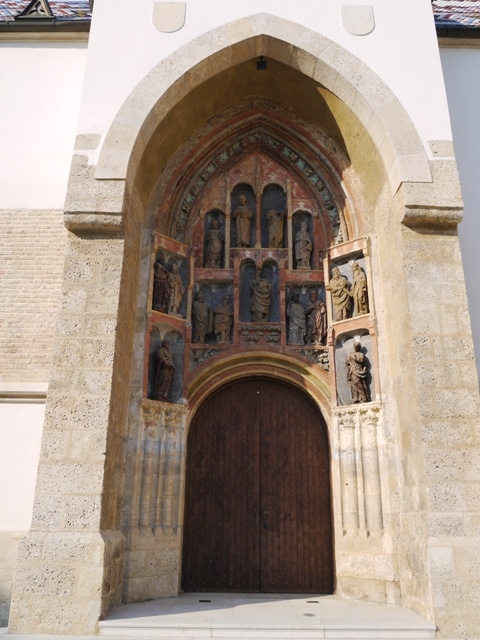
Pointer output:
112, 206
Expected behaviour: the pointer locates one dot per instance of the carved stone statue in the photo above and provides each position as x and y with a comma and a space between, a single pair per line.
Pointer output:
357, 374
161, 286
202, 318
243, 215
275, 228
165, 373
303, 246
177, 289
223, 315
261, 298
215, 240
316, 312
297, 321
359, 291
341, 295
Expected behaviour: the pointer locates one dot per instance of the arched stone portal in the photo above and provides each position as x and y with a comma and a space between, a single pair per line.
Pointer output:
320, 149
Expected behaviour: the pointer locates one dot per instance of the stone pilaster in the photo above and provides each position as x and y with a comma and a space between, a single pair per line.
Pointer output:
68, 570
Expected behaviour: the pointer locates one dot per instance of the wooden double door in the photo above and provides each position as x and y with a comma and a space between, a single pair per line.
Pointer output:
258, 506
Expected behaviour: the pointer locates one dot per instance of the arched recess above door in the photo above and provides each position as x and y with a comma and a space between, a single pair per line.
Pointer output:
258, 144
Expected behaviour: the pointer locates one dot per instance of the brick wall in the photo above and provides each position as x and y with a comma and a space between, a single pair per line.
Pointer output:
32, 245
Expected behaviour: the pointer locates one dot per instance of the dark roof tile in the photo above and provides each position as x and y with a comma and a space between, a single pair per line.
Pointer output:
456, 14
61, 9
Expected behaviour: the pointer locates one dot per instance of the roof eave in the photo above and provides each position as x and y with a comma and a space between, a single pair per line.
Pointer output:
46, 25
462, 33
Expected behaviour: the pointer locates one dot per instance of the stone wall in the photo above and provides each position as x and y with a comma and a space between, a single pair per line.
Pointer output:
32, 246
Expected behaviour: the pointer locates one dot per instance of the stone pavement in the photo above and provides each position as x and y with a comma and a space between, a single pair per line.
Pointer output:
195, 616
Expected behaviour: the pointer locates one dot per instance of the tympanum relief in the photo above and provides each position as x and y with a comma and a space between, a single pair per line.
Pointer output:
261, 265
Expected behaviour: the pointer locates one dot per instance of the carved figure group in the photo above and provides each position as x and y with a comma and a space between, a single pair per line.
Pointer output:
349, 299
215, 240
165, 372
243, 215
261, 298
316, 312
168, 287
275, 228
303, 246
357, 374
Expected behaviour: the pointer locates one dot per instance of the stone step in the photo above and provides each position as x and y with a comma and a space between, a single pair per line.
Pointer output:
259, 616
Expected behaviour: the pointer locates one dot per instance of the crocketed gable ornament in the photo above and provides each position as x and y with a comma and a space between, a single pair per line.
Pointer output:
36, 9
169, 16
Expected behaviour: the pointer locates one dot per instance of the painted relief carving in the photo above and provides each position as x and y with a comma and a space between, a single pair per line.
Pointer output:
317, 356
261, 333
165, 373
261, 298
223, 315
297, 321
202, 318
177, 290
340, 290
243, 214
357, 373
275, 146
257, 230
199, 356
303, 246
275, 228
215, 244
359, 291
316, 312
161, 286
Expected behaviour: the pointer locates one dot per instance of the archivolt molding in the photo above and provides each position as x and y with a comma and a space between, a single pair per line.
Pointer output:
313, 379
319, 58
312, 155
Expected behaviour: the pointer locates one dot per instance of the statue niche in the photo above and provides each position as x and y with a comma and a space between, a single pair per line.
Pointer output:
243, 216
357, 373
261, 299
223, 319
165, 370
202, 316
168, 285
349, 299
273, 216
359, 290
316, 312
214, 245
354, 374
303, 243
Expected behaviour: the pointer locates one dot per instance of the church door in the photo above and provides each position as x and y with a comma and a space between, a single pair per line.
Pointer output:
258, 509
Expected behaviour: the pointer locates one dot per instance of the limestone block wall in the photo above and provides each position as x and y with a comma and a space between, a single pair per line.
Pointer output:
448, 420
32, 245
64, 553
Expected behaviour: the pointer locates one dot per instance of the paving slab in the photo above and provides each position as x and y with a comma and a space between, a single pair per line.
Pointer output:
195, 616
230, 616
